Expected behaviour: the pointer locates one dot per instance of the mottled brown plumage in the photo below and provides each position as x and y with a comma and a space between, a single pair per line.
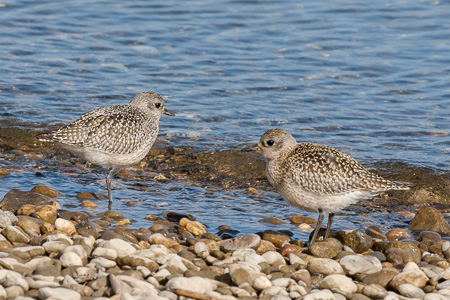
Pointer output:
114, 136
318, 178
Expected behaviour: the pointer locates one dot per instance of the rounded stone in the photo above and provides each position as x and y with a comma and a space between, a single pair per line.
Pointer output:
201, 249
375, 232
15, 199
274, 258
261, 283
194, 284
429, 219
356, 239
339, 284
65, 226
194, 227
30, 225
122, 247
408, 290
411, 274
46, 191
409, 247
354, 264
429, 236
319, 295
325, 266
276, 238
5, 220
250, 240
48, 213
58, 293
395, 234
326, 249
70, 259
15, 235
135, 261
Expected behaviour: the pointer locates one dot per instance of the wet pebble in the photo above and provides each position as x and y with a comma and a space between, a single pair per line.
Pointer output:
429, 219
46, 191
244, 241
276, 238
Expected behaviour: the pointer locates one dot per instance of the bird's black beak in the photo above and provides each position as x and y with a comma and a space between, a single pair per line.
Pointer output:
168, 112
252, 148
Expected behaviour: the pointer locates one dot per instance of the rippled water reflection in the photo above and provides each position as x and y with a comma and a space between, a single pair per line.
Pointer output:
370, 78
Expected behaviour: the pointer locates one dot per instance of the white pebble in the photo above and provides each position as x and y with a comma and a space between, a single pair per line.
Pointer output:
340, 284
201, 249
354, 264
11, 278
283, 282
320, 295
274, 258
70, 259
261, 283
194, 284
294, 259
121, 247
58, 294
408, 290
325, 266
275, 290
107, 253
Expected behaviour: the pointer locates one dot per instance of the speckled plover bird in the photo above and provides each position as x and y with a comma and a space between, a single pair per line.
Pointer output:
318, 178
113, 137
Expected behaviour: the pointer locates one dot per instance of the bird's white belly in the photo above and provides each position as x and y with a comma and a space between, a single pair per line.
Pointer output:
109, 160
312, 202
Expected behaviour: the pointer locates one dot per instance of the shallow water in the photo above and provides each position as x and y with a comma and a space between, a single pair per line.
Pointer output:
370, 78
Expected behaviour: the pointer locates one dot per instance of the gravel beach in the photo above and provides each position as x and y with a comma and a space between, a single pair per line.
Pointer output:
50, 253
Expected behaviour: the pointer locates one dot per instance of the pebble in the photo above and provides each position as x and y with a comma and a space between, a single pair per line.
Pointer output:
395, 234
320, 295
276, 238
274, 258
354, 264
261, 283
357, 240
339, 284
15, 235
65, 226
58, 293
46, 191
429, 219
194, 284
194, 227
411, 274
326, 249
69, 259
250, 240
411, 291
324, 266
120, 246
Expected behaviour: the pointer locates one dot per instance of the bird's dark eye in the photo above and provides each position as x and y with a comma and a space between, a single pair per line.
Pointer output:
158, 105
270, 143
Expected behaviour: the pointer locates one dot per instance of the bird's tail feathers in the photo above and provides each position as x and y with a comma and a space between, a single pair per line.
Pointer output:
44, 137
401, 185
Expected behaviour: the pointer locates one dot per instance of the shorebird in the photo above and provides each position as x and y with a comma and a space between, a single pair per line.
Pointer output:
113, 137
318, 178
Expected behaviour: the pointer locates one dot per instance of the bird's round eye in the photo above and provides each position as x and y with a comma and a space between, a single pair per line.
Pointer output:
270, 143
158, 105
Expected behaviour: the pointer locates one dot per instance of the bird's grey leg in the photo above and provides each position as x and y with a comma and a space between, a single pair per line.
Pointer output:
330, 220
319, 223
108, 185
